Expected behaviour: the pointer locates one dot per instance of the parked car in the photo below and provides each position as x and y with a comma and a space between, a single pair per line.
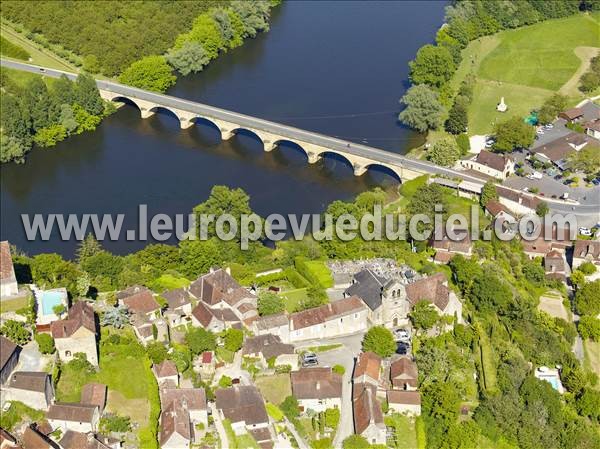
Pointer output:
557, 177
549, 126
540, 131
402, 335
402, 348
565, 196
309, 359
596, 181
585, 231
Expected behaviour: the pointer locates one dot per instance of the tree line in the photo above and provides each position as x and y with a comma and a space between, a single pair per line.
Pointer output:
46, 113
431, 98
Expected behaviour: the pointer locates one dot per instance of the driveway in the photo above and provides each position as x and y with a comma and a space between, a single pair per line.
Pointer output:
342, 356
31, 359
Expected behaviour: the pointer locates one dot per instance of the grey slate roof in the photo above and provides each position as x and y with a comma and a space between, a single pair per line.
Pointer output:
367, 286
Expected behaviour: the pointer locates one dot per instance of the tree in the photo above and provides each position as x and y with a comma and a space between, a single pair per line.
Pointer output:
445, 152
198, 256
588, 404
67, 118
44, 111
12, 149
423, 315
464, 271
63, 90
332, 417
85, 120
270, 303
542, 209
587, 268
490, 293
116, 316
290, 407
50, 136
205, 32
379, 340
234, 339
15, 119
225, 381
458, 121
253, 15
512, 134
433, 65
104, 268
589, 82
551, 108
150, 73
534, 272
587, 299
114, 423
488, 193
59, 309
45, 343
577, 278
589, 327
15, 331
87, 94
423, 109
355, 442
190, 58
200, 340
157, 352
586, 160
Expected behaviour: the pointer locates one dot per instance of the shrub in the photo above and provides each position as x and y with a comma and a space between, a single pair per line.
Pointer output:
587, 268
339, 369
46, 343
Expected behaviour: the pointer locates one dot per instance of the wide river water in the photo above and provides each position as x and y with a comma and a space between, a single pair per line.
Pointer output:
338, 68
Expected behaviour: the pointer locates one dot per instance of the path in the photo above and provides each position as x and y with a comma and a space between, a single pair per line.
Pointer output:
585, 54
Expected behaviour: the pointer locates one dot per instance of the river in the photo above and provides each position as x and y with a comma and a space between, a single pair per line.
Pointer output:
332, 67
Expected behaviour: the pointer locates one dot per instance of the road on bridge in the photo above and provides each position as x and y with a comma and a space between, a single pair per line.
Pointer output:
586, 211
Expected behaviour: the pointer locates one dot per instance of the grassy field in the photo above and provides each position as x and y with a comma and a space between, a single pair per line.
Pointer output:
17, 413
169, 282
592, 355
12, 305
321, 272
526, 66
292, 298
274, 388
38, 55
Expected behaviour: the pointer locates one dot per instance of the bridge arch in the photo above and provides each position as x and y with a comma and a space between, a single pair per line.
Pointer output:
125, 100
382, 168
338, 157
256, 135
288, 142
169, 112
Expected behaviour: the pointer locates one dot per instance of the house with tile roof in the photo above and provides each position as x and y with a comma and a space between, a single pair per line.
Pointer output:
404, 374
77, 333
183, 409
495, 165
555, 266
270, 347
245, 409
277, 324
32, 438
449, 245
95, 394
317, 388
343, 317
367, 369
166, 371
74, 416
140, 301
366, 407
79, 440
586, 251
9, 357
32, 388
8, 279
403, 401
434, 289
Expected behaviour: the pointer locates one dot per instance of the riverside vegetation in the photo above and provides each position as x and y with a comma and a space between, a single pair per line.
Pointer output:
481, 368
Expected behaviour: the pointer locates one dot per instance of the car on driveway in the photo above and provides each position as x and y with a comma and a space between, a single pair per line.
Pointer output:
402, 335
402, 348
585, 231
309, 359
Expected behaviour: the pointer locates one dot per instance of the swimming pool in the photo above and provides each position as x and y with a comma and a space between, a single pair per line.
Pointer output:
553, 381
49, 300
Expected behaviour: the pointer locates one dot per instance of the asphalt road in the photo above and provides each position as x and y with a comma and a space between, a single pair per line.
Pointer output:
589, 212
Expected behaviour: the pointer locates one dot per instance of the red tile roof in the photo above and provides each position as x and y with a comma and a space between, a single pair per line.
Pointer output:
404, 371
327, 312
80, 315
66, 411
141, 302
218, 286
7, 271
242, 403
493, 160
403, 397
431, 288
95, 394
7, 349
166, 368
316, 383
366, 407
367, 363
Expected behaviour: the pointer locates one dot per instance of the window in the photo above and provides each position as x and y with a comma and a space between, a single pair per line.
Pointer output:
67, 353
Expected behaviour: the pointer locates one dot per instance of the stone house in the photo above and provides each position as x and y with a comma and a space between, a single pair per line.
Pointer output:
244, 407
8, 279
33, 389
277, 324
446, 248
404, 374
182, 410
9, 357
166, 371
368, 417
74, 416
343, 317
555, 266
367, 369
572, 115
94, 394
317, 388
496, 165
586, 251
403, 401
76, 334
269, 346
33, 438
517, 202
140, 301
145, 329
79, 440
214, 319
434, 289
205, 365
178, 300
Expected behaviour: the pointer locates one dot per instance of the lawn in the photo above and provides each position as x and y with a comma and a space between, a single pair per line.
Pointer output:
541, 55
168, 282
17, 413
274, 388
324, 348
118, 363
12, 305
525, 66
274, 411
405, 435
592, 355
292, 298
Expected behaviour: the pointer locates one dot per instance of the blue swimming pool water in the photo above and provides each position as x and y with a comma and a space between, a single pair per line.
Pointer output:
49, 300
553, 381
